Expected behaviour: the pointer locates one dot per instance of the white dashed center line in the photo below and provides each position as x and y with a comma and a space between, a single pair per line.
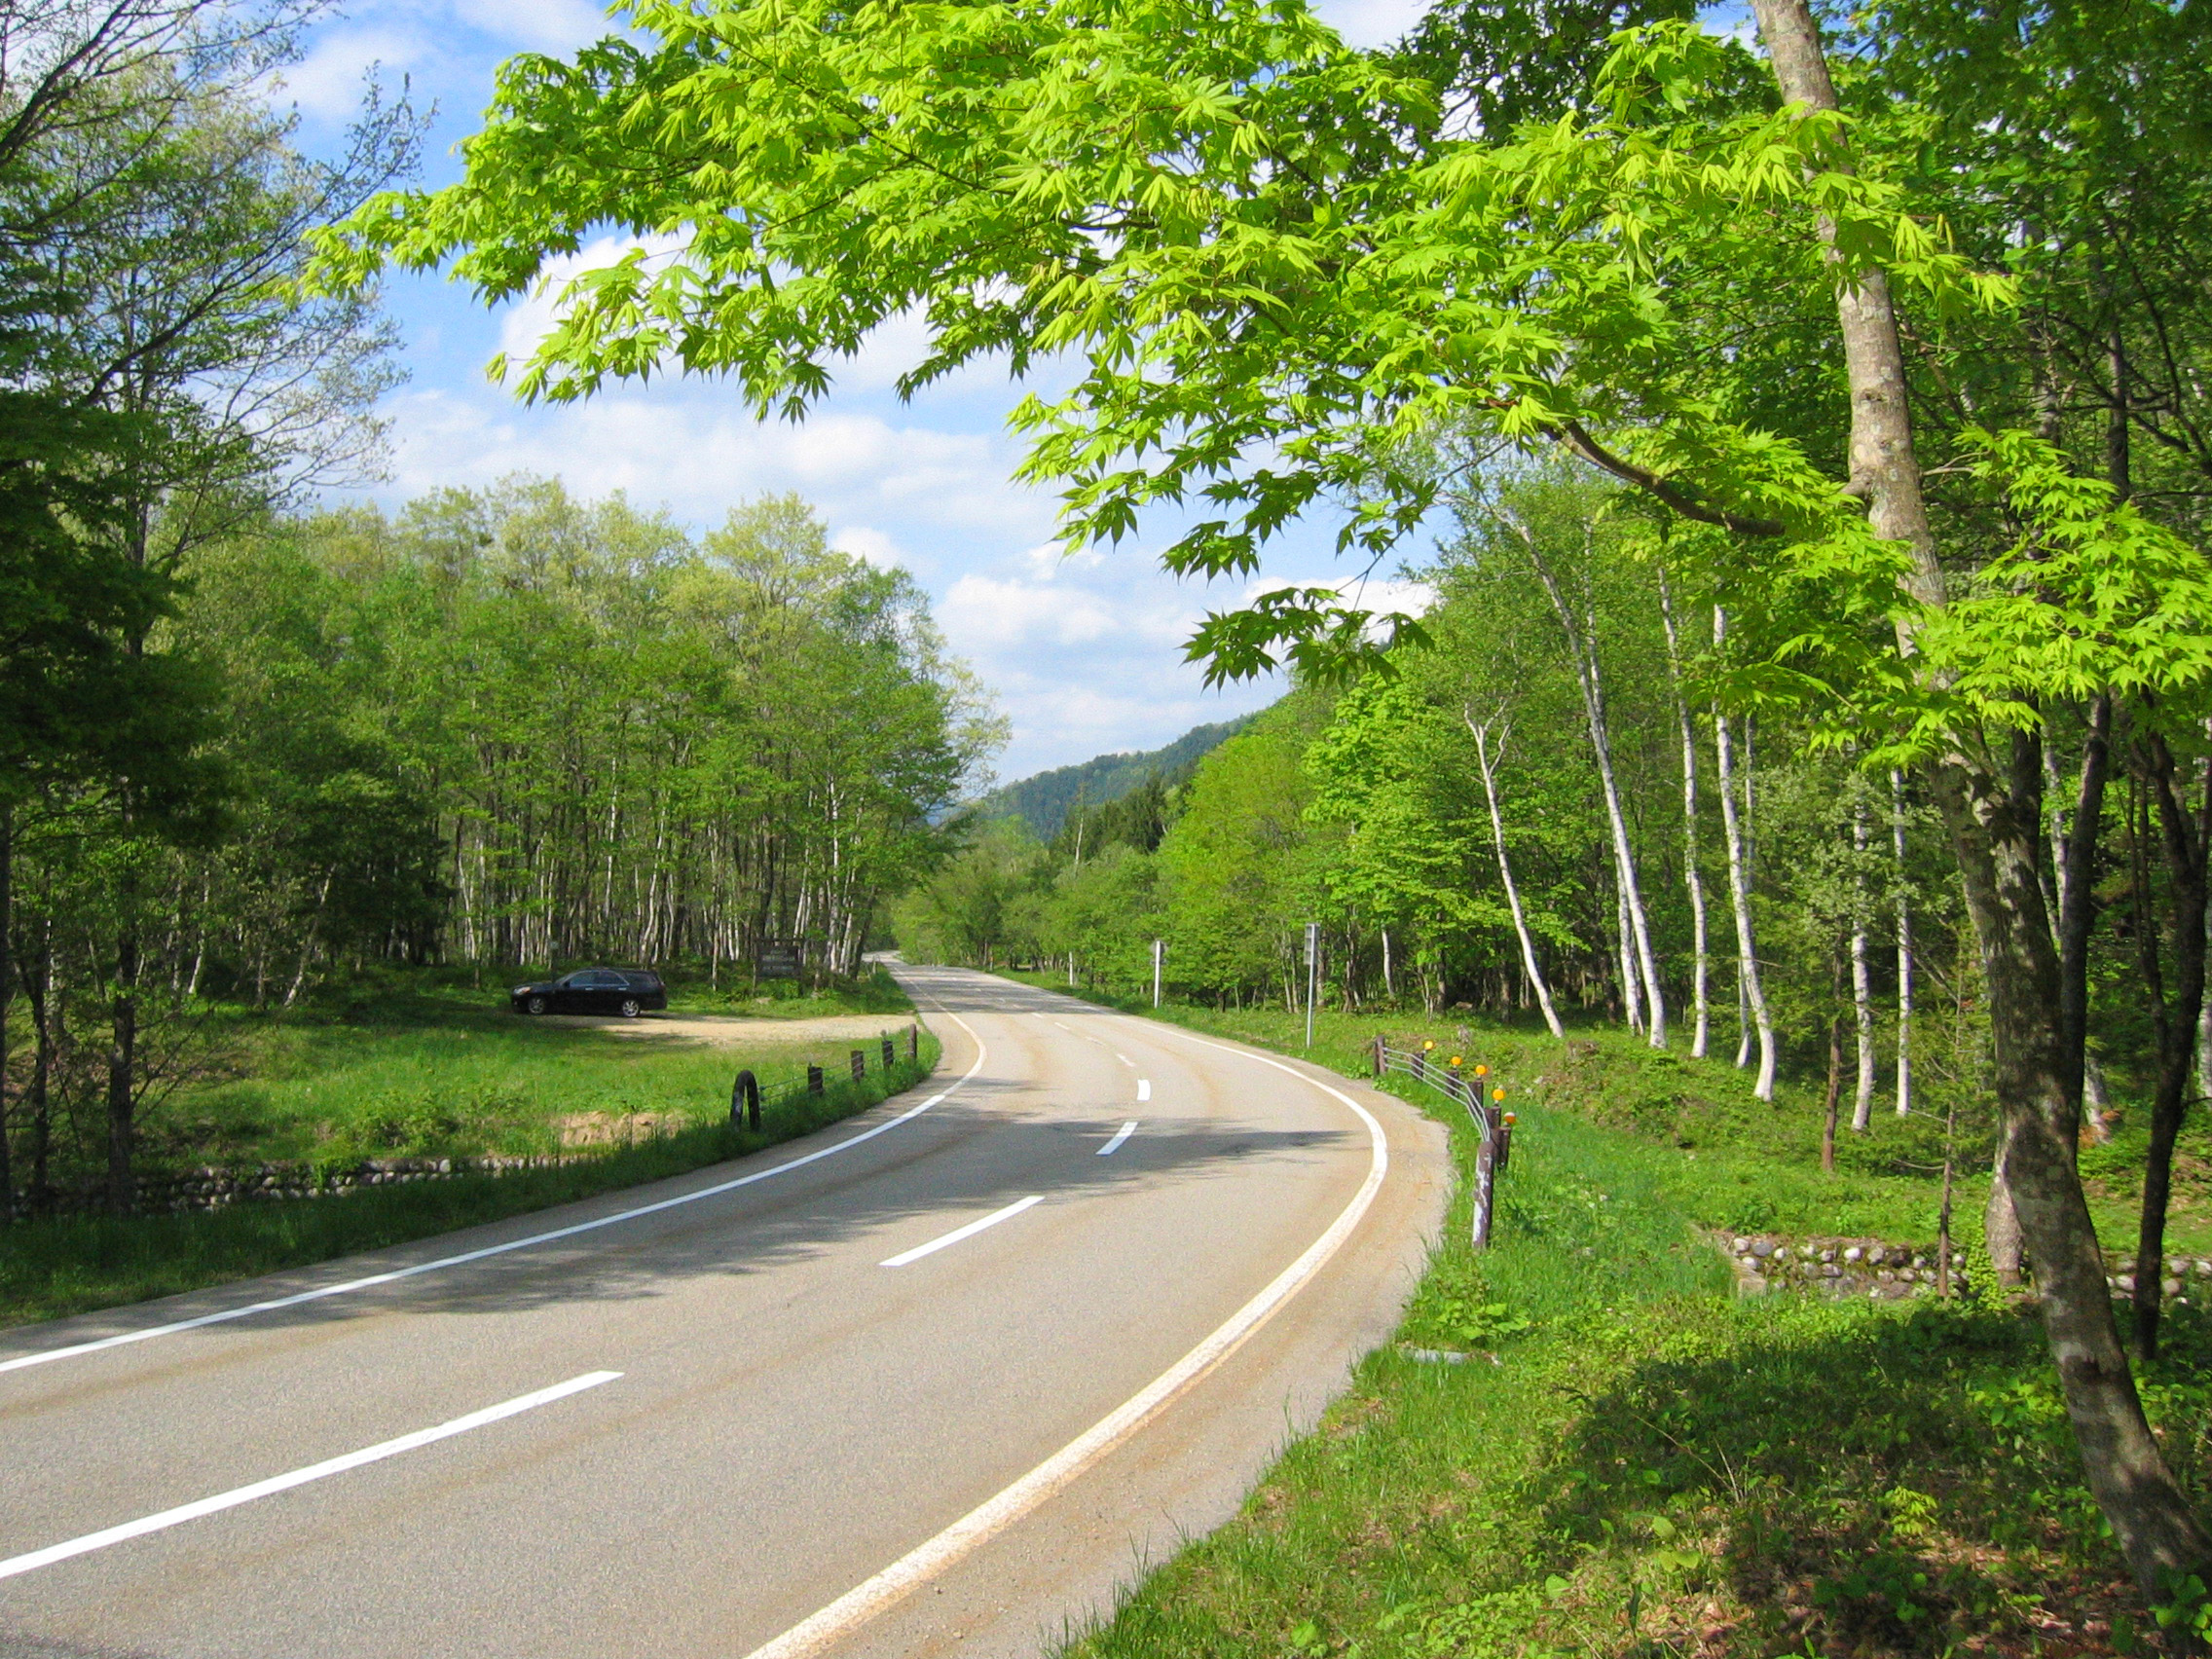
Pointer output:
959, 1233
1119, 1135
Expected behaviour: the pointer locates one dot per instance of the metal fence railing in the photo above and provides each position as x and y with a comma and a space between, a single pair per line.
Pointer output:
746, 1095
1475, 1086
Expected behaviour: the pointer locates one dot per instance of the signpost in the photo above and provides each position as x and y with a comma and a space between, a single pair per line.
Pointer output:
777, 961
1159, 949
1312, 975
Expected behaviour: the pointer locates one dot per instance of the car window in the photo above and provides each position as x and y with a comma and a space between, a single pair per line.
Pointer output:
573, 983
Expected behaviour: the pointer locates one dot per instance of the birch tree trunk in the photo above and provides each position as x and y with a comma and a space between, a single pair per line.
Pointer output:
1701, 969
1582, 647
1505, 873
1862, 977
1904, 947
1631, 996
1740, 892
1991, 807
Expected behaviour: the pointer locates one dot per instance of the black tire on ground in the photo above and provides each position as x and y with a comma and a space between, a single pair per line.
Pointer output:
536, 1005
630, 1008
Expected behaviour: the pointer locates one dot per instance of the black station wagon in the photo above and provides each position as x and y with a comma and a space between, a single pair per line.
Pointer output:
626, 991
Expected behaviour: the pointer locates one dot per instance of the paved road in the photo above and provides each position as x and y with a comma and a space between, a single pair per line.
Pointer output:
731, 1425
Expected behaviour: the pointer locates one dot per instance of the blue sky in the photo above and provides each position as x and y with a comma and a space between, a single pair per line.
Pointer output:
1085, 653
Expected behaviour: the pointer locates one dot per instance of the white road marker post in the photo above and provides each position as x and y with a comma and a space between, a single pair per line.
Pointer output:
1159, 947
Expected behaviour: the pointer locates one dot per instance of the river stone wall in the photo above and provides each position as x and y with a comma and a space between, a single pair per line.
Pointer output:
1872, 1268
209, 1189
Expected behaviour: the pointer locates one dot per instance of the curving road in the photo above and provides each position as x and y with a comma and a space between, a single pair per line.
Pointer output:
938, 1379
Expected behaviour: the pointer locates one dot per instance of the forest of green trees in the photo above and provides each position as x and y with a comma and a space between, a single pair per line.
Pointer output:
1815, 416
250, 747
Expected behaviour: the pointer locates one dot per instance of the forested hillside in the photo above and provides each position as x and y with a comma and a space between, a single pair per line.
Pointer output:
1568, 681
1044, 800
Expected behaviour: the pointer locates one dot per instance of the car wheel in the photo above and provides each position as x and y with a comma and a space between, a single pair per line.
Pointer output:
536, 1005
630, 1008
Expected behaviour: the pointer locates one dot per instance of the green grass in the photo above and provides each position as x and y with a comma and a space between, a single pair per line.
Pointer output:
1634, 1464
422, 1068
73, 1266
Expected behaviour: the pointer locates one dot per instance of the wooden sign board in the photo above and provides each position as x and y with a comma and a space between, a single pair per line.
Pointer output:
777, 962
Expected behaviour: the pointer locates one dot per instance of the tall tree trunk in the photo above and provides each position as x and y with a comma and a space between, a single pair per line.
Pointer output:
1582, 647
123, 1069
38, 991
2184, 837
1701, 969
1831, 1102
1631, 996
1505, 873
1862, 977
1740, 896
1905, 963
1993, 814
7, 998
2074, 868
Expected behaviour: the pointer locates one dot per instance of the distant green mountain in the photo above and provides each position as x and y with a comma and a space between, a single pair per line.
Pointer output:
1043, 801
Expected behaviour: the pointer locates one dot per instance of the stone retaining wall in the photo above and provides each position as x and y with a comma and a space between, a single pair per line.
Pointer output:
1872, 1268
2184, 1274
209, 1189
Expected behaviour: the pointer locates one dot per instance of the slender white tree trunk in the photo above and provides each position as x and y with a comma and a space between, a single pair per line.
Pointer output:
1735, 830
1582, 647
1862, 977
1905, 949
2057, 889
1701, 972
1505, 873
1632, 994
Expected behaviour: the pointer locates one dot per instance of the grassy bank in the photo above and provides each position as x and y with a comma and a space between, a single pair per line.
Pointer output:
424, 1066
71, 1266
1630, 1463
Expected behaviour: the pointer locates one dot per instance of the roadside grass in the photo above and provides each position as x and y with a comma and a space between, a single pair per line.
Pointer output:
873, 991
1631, 1463
417, 1066
52, 1269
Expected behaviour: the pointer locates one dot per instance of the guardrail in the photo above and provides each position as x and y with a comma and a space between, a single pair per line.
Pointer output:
1474, 1086
745, 1094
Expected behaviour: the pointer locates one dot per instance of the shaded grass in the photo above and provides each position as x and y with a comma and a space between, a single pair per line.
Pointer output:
51, 1269
1632, 1463
432, 1069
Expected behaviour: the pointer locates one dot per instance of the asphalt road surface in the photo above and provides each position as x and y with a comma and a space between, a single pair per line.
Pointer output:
938, 1379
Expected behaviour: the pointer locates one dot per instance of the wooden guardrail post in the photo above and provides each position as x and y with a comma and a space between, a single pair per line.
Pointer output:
814, 1079
860, 1064
890, 1053
913, 1041
1379, 1067
1486, 1174
745, 1101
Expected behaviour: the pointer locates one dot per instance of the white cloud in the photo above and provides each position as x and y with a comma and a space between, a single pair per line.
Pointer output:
871, 547
1370, 22
326, 84
534, 25
701, 455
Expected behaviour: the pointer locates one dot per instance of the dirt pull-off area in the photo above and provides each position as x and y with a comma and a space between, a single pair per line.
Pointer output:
731, 1031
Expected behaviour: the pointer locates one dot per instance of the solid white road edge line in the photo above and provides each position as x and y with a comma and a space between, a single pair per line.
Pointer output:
959, 1233
1119, 1135
237, 1495
22, 1362
1144, 1089
856, 1606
